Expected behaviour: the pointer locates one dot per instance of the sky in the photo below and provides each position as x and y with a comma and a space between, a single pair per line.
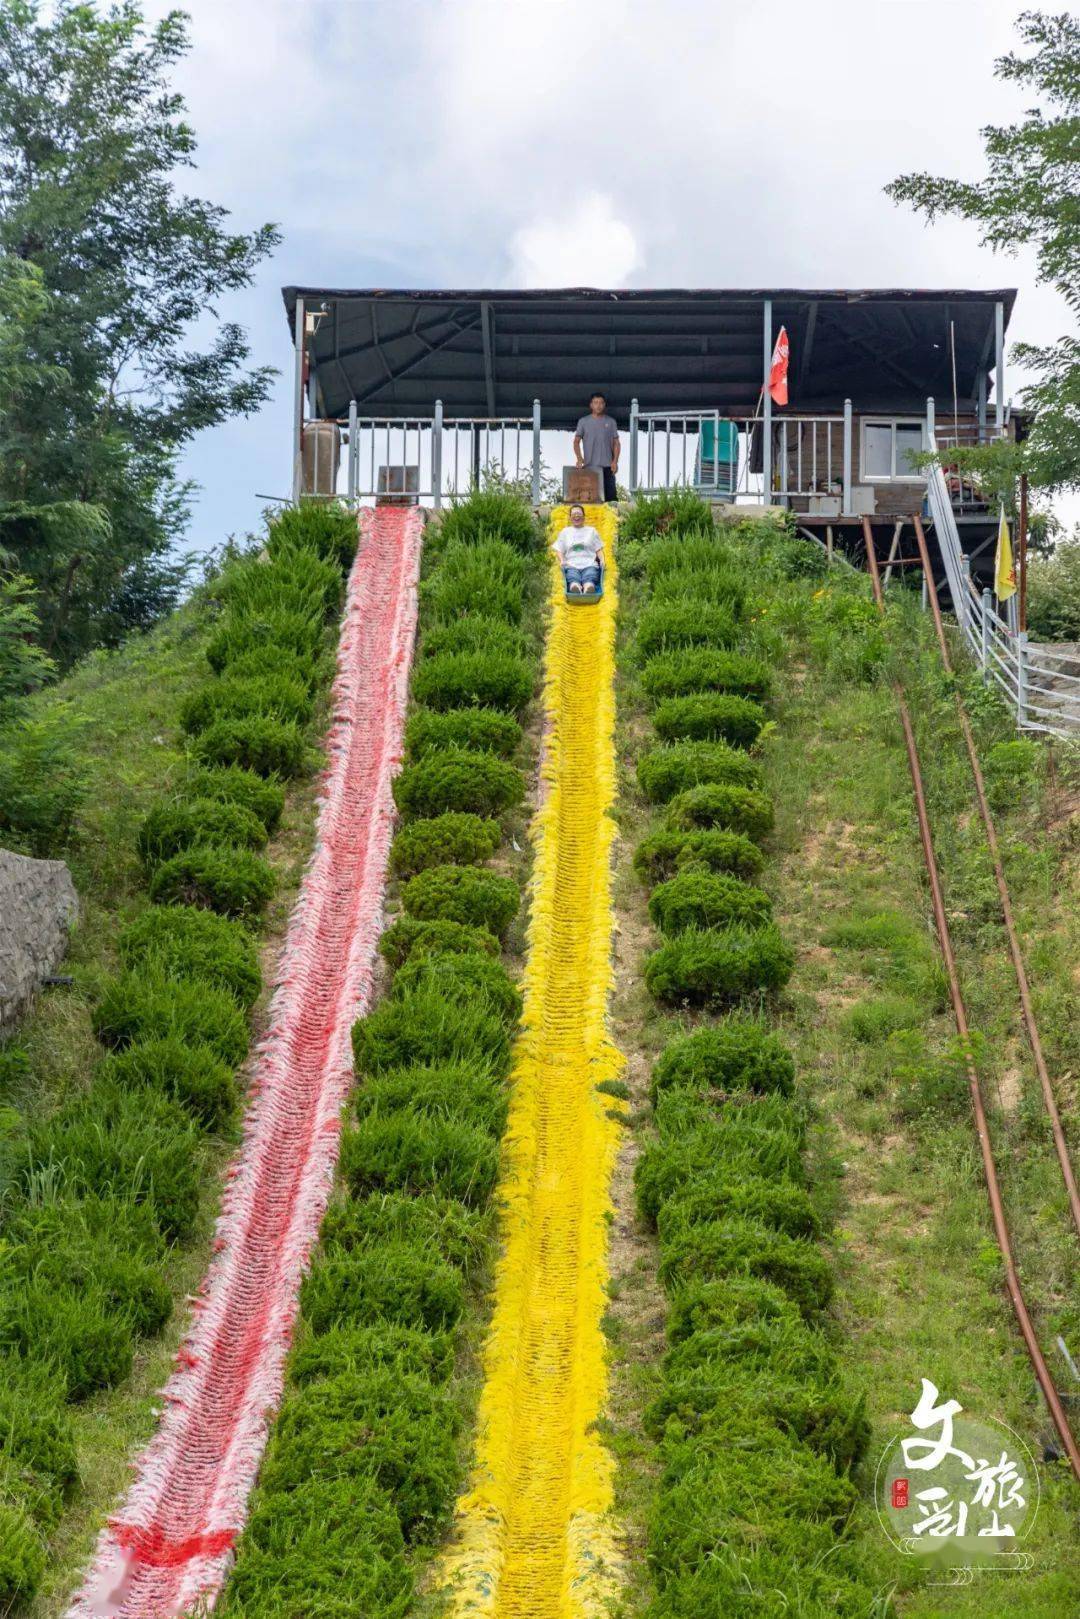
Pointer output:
614, 143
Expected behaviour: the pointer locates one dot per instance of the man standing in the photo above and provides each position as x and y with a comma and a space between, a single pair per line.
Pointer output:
596, 443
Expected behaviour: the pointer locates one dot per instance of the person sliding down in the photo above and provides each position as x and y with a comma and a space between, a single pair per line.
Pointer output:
580, 550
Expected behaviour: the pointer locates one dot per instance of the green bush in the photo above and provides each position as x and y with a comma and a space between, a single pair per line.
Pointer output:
706, 668
233, 698
737, 1055
490, 514
712, 587
231, 784
399, 1431
709, 716
457, 779
75, 1335
122, 1144
42, 786
668, 770
719, 965
776, 1204
453, 1091
705, 899
721, 804
481, 729
484, 576
190, 1074
233, 882
423, 1029
37, 1445
125, 1285
300, 634
327, 1546
475, 633
185, 942
22, 1557
473, 679
703, 550
416, 1152
1011, 769
177, 824
872, 1021
147, 1005
468, 894
296, 580
760, 1139
743, 1248
463, 978
427, 1222
321, 525
668, 624
442, 841
393, 1282
662, 854
745, 1315
268, 746
409, 1350
670, 515
407, 938
274, 662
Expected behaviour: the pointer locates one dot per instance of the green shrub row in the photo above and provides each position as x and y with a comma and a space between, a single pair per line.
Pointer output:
365, 1460
756, 1434
98, 1193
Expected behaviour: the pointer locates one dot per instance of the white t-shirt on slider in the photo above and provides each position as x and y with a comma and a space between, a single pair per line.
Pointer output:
578, 547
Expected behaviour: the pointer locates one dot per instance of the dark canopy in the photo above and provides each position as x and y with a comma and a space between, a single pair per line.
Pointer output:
491, 353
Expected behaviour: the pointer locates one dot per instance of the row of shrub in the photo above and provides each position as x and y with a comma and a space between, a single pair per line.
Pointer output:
756, 1434
365, 1461
98, 1193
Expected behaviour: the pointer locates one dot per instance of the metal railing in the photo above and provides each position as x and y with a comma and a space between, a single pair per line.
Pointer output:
730, 458
1036, 681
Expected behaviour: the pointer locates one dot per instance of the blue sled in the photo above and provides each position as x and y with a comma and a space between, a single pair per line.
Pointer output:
586, 598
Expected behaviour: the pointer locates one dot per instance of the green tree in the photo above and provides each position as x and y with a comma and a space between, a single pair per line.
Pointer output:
1030, 197
108, 383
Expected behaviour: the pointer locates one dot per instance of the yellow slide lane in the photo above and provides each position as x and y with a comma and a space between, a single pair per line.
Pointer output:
533, 1538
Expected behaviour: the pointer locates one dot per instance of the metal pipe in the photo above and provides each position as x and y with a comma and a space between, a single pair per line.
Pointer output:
536, 452
999, 367
766, 396
847, 456
997, 1208
351, 479
436, 454
299, 342
633, 447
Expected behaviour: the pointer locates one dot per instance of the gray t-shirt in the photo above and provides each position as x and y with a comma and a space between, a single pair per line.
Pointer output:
598, 435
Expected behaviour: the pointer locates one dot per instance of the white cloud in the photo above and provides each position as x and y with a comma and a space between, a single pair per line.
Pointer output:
585, 245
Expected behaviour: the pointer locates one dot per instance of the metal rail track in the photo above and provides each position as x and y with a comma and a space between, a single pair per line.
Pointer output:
993, 1186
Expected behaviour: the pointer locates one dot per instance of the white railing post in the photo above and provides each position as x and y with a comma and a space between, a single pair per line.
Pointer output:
300, 341
436, 455
931, 424
847, 457
633, 447
766, 396
984, 652
536, 453
1021, 677
963, 606
352, 477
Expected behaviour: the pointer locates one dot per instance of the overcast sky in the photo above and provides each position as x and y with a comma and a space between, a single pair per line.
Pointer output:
468, 143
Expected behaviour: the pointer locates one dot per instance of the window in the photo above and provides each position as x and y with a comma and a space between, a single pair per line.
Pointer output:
888, 449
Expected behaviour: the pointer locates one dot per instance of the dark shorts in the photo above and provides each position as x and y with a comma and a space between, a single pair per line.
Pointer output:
582, 576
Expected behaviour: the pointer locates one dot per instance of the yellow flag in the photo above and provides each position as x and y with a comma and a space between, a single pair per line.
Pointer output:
1004, 569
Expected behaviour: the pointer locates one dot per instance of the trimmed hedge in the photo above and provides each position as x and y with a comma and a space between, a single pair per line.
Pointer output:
706, 668
738, 1055
454, 838
178, 824
668, 770
709, 716
270, 747
481, 729
468, 894
147, 1005
231, 698
320, 526
705, 899
423, 1028
475, 633
484, 572
668, 624
718, 804
456, 779
185, 942
662, 854
474, 679
719, 965
234, 882
407, 938
241, 634
192, 1075
674, 514
232, 784
464, 977
490, 514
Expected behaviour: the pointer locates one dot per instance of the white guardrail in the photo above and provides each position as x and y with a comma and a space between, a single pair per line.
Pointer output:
1040, 683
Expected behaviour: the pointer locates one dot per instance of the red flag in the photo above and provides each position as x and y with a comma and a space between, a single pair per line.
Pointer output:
778, 369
